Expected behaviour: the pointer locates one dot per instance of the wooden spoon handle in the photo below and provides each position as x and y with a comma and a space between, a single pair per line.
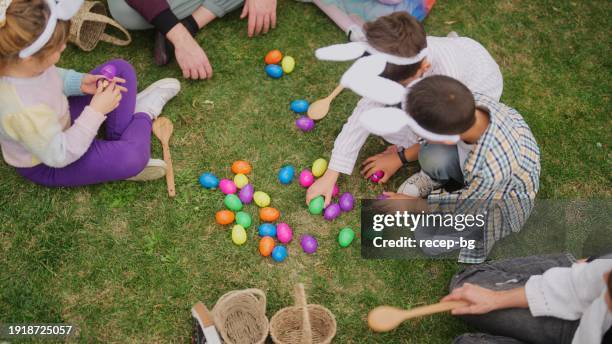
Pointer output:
433, 309
169, 170
335, 92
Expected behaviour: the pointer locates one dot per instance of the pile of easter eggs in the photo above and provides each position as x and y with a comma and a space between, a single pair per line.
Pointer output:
277, 65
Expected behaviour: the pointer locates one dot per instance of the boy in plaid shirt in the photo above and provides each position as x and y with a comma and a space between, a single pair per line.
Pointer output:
480, 150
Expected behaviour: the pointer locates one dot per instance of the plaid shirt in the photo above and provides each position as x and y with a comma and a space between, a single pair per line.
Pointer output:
501, 175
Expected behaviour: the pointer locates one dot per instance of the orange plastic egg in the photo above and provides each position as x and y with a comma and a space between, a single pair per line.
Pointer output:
266, 245
269, 214
273, 57
241, 166
224, 217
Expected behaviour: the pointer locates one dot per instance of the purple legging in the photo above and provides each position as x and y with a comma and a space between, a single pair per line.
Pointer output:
123, 153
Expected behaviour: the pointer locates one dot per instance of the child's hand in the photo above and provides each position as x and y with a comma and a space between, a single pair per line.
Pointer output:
323, 186
89, 83
387, 161
106, 99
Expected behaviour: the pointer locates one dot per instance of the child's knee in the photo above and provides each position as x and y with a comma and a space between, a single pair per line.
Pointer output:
435, 159
132, 161
125, 69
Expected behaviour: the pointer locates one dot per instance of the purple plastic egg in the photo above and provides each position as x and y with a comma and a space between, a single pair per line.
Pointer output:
246, 194
382, 196
335, 191
309, 244
377, 176
346, 201
332, 212
227, 186
284, 233
304, 123
306, 178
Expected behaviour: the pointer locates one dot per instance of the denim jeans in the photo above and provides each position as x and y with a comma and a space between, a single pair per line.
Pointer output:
441, 163
514, 326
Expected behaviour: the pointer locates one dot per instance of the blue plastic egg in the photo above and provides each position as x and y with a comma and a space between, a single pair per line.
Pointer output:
299, 106
286, 174
267, 229
209, 181
279, 253
274, 71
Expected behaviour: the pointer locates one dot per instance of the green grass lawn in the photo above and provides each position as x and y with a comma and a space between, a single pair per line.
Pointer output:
125, 263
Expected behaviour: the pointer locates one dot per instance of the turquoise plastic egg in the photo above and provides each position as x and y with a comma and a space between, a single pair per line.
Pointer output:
279, 253
274, 71
267, 229
232, 202
286, 174
299, 106
345, 237
208, 181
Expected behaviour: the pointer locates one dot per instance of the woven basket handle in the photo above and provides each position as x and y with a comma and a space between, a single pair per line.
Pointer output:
260, 296
106, 37
300, 301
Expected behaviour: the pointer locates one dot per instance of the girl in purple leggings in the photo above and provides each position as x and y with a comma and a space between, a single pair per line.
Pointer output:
50, 116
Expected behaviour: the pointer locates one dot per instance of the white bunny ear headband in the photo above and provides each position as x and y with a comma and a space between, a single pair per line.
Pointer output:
59, 10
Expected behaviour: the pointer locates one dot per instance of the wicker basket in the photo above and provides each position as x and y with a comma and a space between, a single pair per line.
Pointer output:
303, 323
240, 317
88, 26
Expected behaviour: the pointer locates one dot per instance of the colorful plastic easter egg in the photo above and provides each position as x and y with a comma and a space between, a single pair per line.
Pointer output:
239, 235
377, 176
306, 178
285, 174
240, 180
244, 219
299, 106
346, 201
305, 124
266, 245
284, 232
241, 166
274, 71
232, 202
332, 212
273, 57
346, 236
269, 214
279, 253
246, 194
261, 199
109, 72
315, 207
335, 190
208, 181
319, 167
267, 229
227, 186
224, 217
309, 244
288, 64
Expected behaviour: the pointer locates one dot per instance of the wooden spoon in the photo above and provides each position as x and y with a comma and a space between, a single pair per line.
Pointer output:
320, 108
162, 128
386, 318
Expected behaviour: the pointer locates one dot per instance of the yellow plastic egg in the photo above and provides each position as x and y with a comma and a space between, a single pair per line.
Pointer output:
239, 235
261, 199
319, 167
240, 180
288, 64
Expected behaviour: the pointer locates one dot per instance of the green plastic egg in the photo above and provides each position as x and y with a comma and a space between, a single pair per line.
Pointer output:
232, 202
319, 167
239, 235
243, 219
346, 237
288, 64
261, 199
315, 207
240, 180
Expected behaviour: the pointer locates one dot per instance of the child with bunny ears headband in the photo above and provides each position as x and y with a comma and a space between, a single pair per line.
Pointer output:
50, 117
396, 53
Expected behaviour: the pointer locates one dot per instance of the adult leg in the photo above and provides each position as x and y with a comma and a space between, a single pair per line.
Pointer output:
516, 323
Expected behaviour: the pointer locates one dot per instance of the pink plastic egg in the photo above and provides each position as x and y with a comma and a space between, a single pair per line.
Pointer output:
227, 186
284, 232
346, 201
332, 212
306, 178
305, 124
246, 194
335, 191
377, 176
